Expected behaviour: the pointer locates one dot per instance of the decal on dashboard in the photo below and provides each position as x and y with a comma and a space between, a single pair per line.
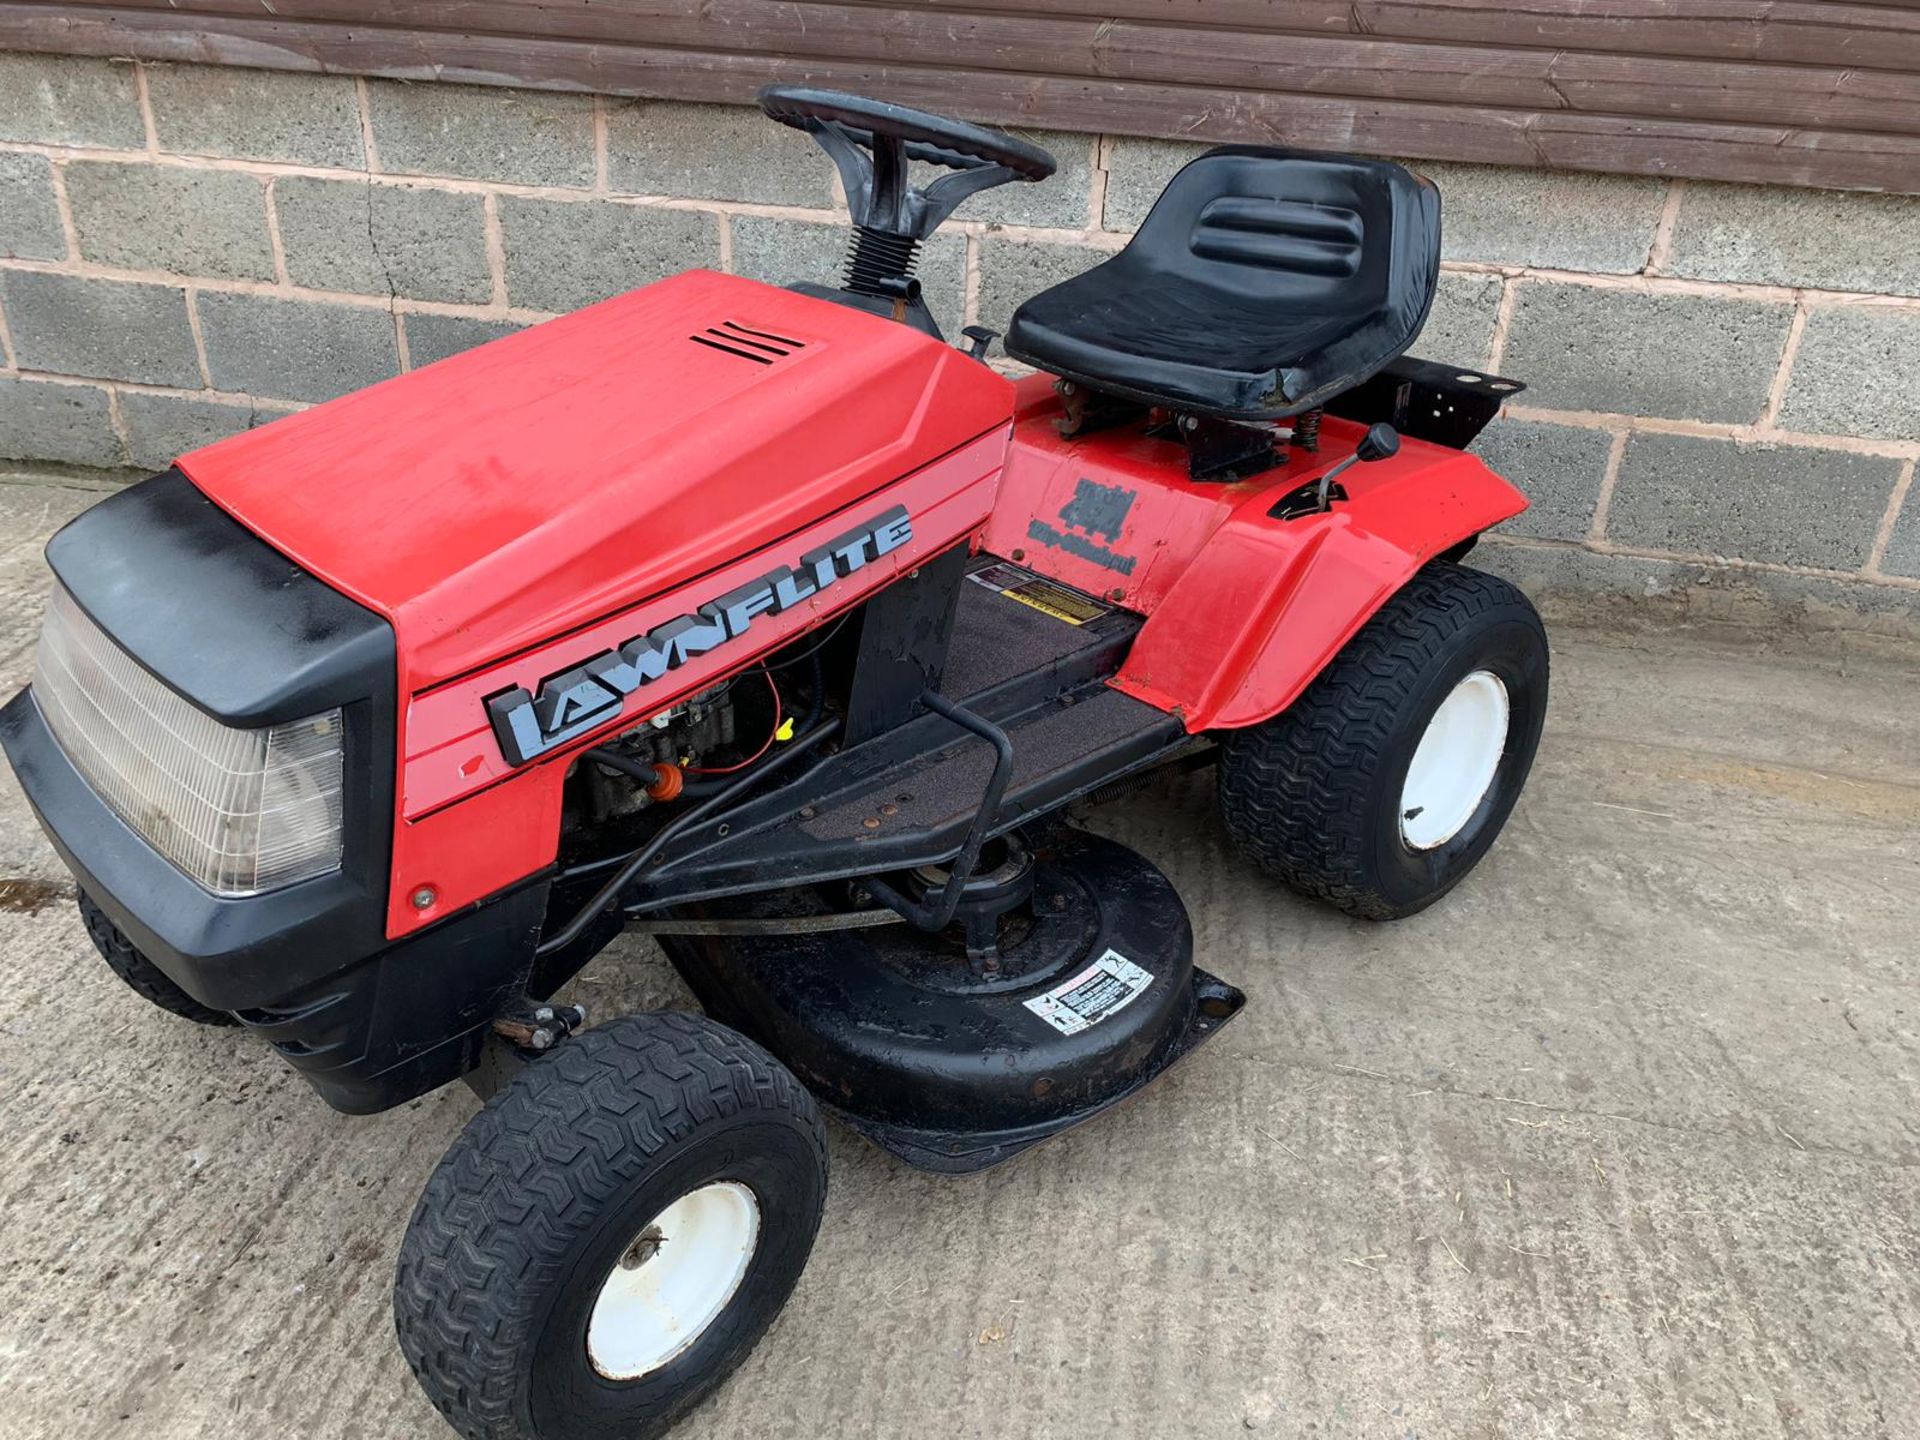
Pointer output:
592, 692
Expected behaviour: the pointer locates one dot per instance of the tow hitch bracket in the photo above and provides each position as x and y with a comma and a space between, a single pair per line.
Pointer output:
519, 1034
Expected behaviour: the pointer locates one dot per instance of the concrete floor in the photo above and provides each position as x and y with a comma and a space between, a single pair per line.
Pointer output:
1623, 1139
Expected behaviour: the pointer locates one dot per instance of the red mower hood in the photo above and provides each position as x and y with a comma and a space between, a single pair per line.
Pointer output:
514, 492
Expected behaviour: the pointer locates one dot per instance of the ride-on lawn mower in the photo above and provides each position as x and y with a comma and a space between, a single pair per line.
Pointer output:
767, 622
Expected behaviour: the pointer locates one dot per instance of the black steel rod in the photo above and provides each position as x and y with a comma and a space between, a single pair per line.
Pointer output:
610, 892
935, 912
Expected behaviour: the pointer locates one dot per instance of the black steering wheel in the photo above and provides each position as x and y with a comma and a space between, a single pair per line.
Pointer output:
871, 141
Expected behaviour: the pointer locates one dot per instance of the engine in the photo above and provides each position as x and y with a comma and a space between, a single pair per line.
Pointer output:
682, 752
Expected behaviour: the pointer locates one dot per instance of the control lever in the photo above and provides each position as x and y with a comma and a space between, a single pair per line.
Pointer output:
1380, 442
982, 339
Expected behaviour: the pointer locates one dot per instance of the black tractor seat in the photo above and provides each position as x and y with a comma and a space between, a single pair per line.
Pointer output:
1263, 283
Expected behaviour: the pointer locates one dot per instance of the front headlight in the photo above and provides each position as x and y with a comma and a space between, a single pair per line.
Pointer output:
240, 811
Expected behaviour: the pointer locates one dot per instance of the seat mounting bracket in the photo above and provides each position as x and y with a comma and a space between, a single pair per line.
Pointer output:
1220, 450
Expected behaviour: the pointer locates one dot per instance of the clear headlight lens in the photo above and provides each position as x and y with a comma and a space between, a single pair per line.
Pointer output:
241, 811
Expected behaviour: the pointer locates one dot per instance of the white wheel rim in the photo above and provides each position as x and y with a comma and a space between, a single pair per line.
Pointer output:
1454, 764
673, 1280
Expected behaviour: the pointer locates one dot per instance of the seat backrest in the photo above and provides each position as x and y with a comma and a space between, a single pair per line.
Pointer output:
1262, 283
1310, 232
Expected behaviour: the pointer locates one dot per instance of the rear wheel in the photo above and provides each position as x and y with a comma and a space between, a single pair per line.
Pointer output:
1389, 778
612, 1234
142, 976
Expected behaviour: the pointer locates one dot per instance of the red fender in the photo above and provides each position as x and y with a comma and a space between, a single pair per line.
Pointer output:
1242, 608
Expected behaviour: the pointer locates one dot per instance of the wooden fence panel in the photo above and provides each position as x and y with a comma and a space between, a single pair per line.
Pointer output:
1796, 93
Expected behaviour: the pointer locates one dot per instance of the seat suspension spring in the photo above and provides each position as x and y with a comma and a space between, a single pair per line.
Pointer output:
1306, 431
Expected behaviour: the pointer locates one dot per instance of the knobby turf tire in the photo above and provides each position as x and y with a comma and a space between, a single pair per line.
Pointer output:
547, 1186
1312, 795
142, 976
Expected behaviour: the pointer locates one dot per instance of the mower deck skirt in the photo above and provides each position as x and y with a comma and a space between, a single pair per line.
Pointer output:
953, 1065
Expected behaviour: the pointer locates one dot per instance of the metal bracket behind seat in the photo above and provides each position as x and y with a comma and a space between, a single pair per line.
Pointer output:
1446, 404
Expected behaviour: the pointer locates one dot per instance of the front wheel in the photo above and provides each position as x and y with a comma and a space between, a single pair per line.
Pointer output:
612, 1234
141, 975
1388, 779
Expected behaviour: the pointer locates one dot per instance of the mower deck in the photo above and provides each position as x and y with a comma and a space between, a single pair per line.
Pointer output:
955, 1062
1211, 1003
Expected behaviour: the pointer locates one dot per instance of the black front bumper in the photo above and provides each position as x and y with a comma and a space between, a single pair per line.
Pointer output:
247, 636
370, 1023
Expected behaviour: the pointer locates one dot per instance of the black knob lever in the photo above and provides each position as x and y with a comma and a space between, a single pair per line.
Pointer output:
982, 339
1379, 443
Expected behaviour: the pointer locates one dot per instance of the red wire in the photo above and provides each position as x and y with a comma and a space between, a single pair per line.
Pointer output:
777, 717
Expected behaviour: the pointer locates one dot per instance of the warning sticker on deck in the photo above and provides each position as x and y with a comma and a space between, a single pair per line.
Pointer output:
1017, 583
1111, 983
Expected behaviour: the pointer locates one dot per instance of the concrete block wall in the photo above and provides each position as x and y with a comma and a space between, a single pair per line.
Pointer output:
1724, 380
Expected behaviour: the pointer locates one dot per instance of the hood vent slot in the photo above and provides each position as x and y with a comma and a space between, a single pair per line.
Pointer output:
745, 343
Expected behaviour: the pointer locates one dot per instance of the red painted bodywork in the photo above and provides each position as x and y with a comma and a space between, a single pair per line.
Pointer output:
510, 494
1242, 610
506, 824
524, 506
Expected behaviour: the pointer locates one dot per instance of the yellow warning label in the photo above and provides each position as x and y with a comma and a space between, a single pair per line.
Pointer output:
1042, 594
